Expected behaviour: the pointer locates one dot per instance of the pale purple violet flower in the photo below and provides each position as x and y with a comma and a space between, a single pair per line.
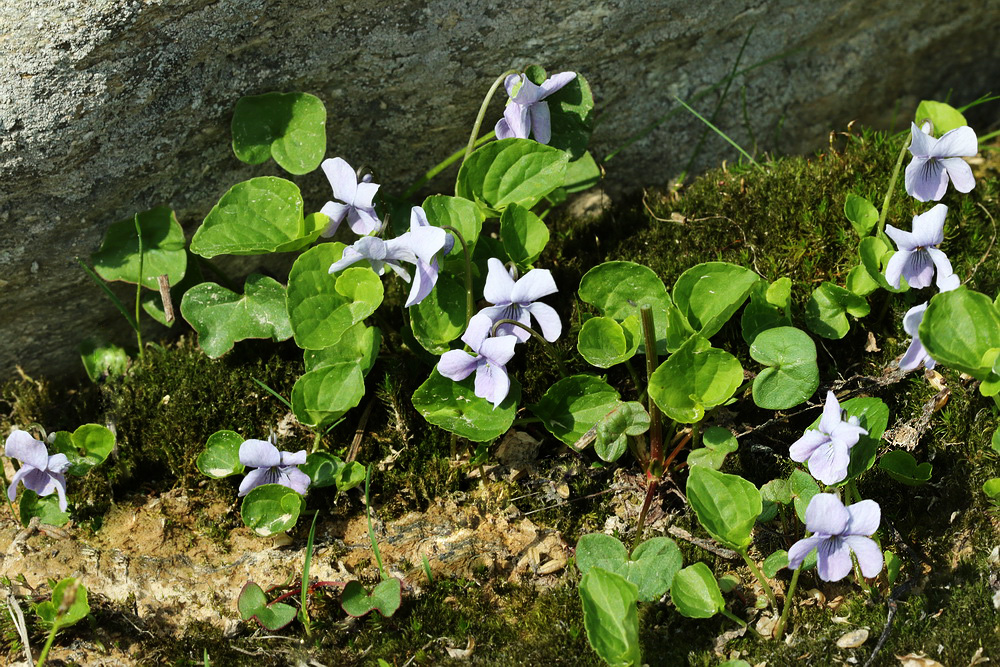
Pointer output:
272, 467
528, 112
516, 300
918, 253
353, 199
916, 354
491, 355
837, 531
828, 448
935, 160
40, 472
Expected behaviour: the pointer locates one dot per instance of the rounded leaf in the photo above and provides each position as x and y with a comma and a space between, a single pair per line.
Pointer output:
695, 592
693, 379
727, 505
221, 457
620, 289
610, 616
574, 405
324, 395
162, 249
903, 468
828, 307
604, 343
290, 127
270, 509
455, 407
511, 171
959, 328
708, 294
792, 375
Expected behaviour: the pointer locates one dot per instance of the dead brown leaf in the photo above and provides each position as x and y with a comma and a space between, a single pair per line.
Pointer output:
917, 660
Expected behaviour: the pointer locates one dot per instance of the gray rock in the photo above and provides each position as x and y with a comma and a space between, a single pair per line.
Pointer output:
108, 107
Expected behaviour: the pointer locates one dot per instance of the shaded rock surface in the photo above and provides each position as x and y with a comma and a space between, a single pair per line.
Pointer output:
110, 107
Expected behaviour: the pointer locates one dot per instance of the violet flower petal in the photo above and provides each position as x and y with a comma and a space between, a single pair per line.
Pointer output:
548, 320
532, 286
424, 278
296, 480
498, 349
18, 476
804, 447
492, 383
915, 354
518, 120
869, 555
457, 365
342, 179
350, 256
365, 196
259, 454
363, 221
256, 477
829, 462
477, 331
918, 269
798, 551
21, 446
914, 316
921, 143
865, 517
925, 179
293, 458
833, 559
58, 463
499, 284
503, 129
831, 414
541, 122
943, 266
960, 141
928, 227
556, 82
960, 173
827, 515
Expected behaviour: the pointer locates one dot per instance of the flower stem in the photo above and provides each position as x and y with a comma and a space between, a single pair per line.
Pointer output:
760, 577
548, 346
739, 621
888, 192
138, 286
655, 422
780, 630
482, 112
43, 656
650, 491
444, 164
469, 301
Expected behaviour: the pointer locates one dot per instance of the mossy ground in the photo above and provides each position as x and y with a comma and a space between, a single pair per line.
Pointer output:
784, 218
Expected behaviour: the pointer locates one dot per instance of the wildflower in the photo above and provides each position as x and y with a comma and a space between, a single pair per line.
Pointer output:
528, 112
828, 448
837, 531
379, 254
935, 160
272, 467
40, 472
492, 354
426, 242
916, 354
353, 199
516, 300
918, 253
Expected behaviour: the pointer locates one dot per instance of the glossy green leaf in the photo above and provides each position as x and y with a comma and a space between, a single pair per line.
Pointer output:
792, 374
718, 442
385, 597
995, 441
511, 171
440, 317
777, 491
324, 395
862, 215
903, 468
612, 430
252, 603
959, 328
769, 307
290, 127
221, 457
45, 508
991, 488
651, 567
102, 360
860, 282
875, 254
693, 379
604, 342
774, 562
803, 487
162, 249
620, 289
270, 509
350, 476
454, 407
727, 505
523, 234
828, 307
944, 117
86, 447
322, 306
610, 616
222, 318
574, 405
571, 109
581, 174
359, 344
463, 215
892, 566
708, 294
257, 217
695, 592
73, 610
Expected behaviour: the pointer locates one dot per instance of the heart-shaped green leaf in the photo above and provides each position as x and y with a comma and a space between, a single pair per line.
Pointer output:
651, 568
828, 307
903, 468
523, 235
270, 509
604, 342
358, 345
862, 215
860, 282
88, 446
695, 592
959, 328
991, 488
875, 254
46, 509
581, 174
221, 457
162, 249
290, 127
321, 306
610, 616
385, 598
792, 375
693, 379
574, 405
252, 603
611, 441
324, 395
455, 407
222, 318
256, 217
708, 294
620, 289
944, 117
718, 442
511, 171
727, 505
62, 609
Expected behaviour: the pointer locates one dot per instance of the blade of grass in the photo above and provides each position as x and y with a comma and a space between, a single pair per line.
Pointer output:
718, 131
303, 608
273, 393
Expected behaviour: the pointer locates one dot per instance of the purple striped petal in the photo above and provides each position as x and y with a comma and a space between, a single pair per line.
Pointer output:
259, 454
833, 559
258, 477
829, 462
925, 179
918, 269
457, 365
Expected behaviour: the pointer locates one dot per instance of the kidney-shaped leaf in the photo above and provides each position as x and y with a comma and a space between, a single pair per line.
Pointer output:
222, 317
693, 379
959, 328
523, 234
270, 509
322, 396
604, 342
651, 568
828, 307
727, 505
455, 407
252, 603
162, 249
511, 171
718, 443
792, 375
290, 127
385, 597
903, 468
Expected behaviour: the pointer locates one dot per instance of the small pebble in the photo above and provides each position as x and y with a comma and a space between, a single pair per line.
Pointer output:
853, 639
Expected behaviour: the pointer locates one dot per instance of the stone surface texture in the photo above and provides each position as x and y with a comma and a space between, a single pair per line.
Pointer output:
108, 107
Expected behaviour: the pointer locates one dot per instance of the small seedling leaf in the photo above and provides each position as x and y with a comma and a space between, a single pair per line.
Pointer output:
385, 598
221, 457
695, 592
